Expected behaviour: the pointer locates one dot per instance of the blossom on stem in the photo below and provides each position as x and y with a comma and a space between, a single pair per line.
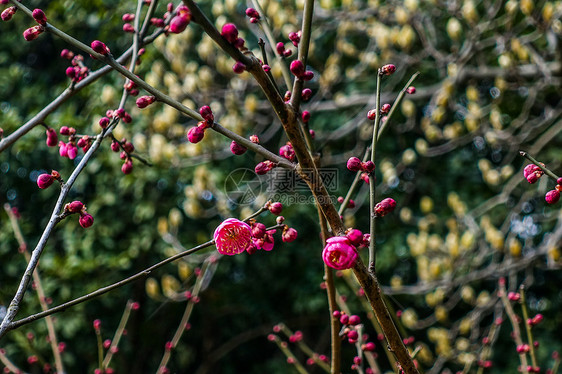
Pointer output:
44, 181
339, 253
144, 101
8, 13
179, 24
195, 134
289, 234
232, 237
99, 47
39, 16
263, 167
388, 69
354, 164
287, 151
385, 206
267, 242
207, 114
237, 149
532, 173
33, 32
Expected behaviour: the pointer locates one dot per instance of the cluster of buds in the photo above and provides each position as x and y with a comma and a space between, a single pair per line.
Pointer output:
355, 164
33, 32
281, 51
261, 238
45, 180
230, 32
532, 173
350, 204
253, 15
127, 148
86, 220
119, 113
384, 207
339, 253
295, 37
127, 26
180, 20
372, 114
357, 238
131, 87
388, 69
264, 167
287, 151
535, 320
196, 133
299, 71
77, 70
68, 149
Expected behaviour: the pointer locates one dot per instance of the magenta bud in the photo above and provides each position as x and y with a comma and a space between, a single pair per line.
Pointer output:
127, 167
276, 208
289, 235
127, 27
157, 22
388, 69
354, 320
279, 220
411, 90
115, 146
33, 32
104, 121
64, 130
305, 116
368, 347
195, 134
258, 230
99, 47
71, 151
385, 206
238, 67
207, 113
287, 96
307, 76
355, 236
385, 108
127, 117
297, 68
178, 24
230, 33
45, 180
287, 53
128, 17
144, 101
8, 13
354, 164
368, 166
372, 114
86, 220
129, 147
344, 319
552, 196
254, 139
52, 139
237, 149
71, 72
63, 152
266, 68
252, 13
74, 207
280, 47
263, 167
65, 53
306, 94
287, 152
39, 16
312, 133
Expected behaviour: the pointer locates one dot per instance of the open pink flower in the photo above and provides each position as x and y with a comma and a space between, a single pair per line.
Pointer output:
339, 253
266, 242
232, 237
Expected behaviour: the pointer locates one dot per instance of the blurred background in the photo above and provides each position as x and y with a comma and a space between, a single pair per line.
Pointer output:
489, 86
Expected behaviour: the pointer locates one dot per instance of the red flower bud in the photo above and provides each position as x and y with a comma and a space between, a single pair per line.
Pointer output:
355, 236
178, 24
280, 47
144, 101
45, 180
52, 139
266, 68
276, 208
385, 206
39, 16
388, 69
238, 67
297, 68
252, 13
306, 93
289, 235
74, 207
237, 149
230, 33
99, 47
86, 220
552, 196
287, 152
263, 167
372, 114
127, 167
354, 164
104, 121
128, 28
308, 75
411, 90
195, 134
115, 146
128, 17
65, 53
33, 32
8, 13
207, 113
368, 166
385, 108
295, 38
305, 116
